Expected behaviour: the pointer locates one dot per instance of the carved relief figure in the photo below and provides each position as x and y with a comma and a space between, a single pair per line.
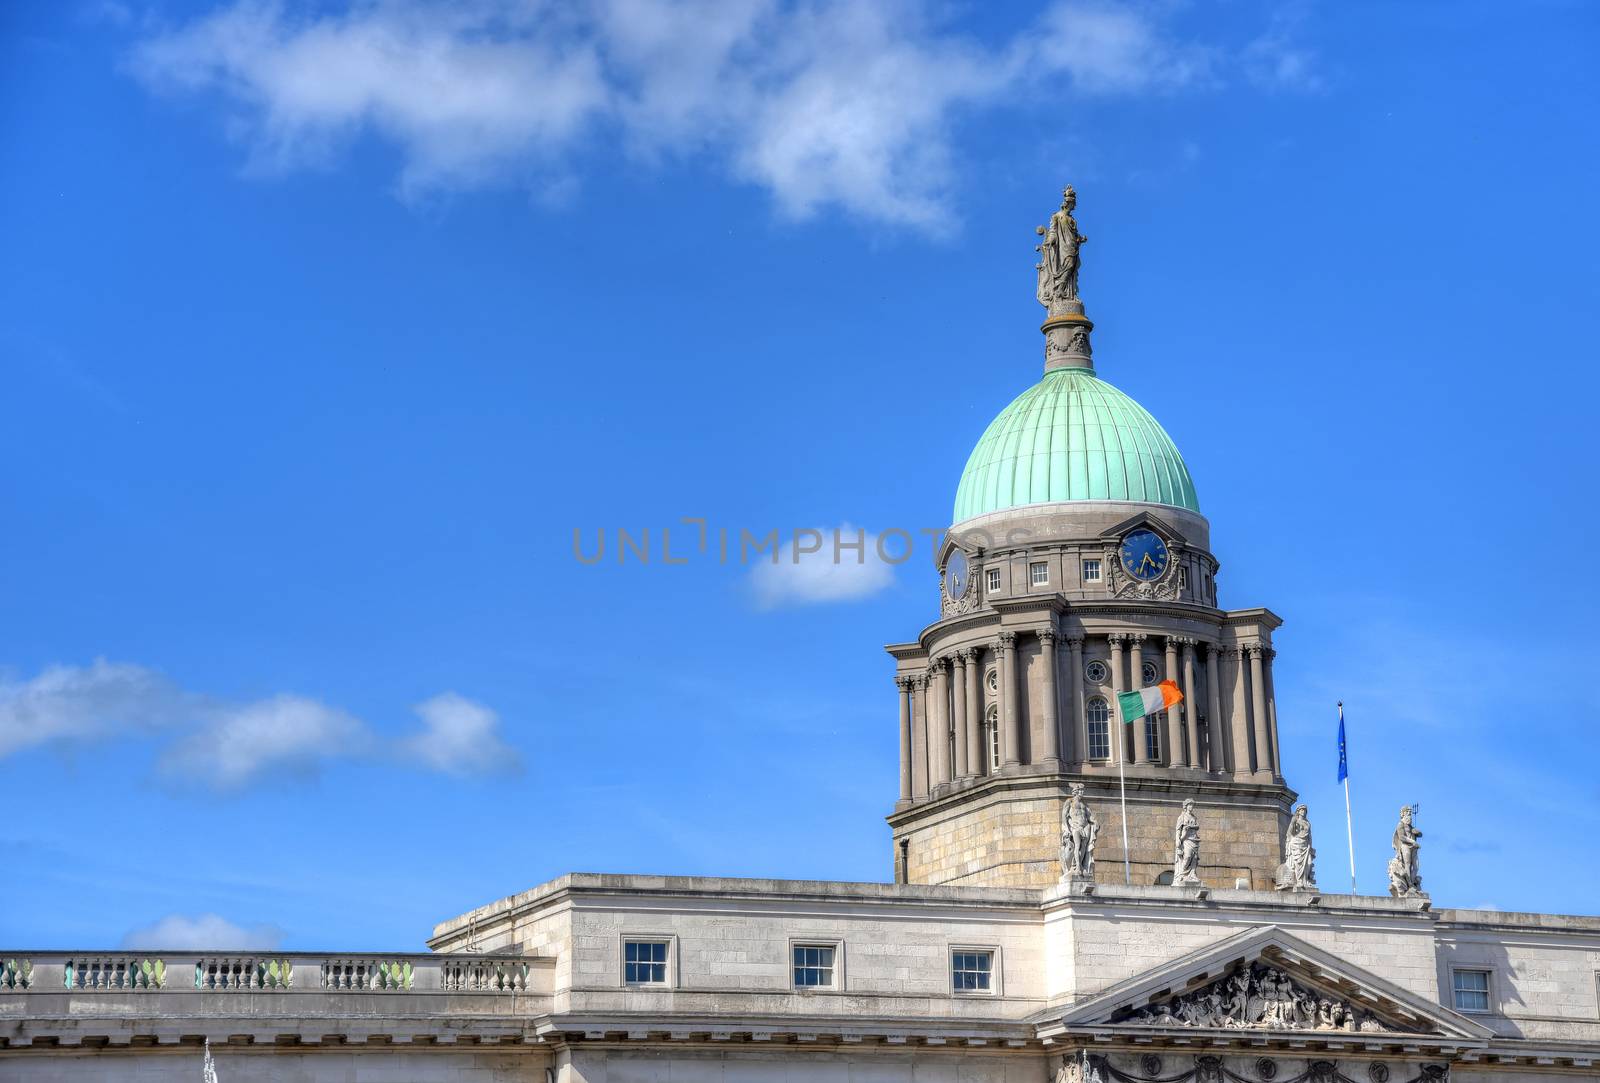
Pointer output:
1058, 253
1297, 872
1404, 879
1079, 829
1256, 997
1186, 847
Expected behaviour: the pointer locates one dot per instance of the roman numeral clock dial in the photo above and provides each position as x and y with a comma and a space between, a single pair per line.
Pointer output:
1144, 555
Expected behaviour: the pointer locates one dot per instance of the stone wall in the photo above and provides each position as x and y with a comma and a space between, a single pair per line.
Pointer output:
1007, 833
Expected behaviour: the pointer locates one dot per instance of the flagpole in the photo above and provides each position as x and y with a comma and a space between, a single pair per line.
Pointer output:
1122, 784
1349, 832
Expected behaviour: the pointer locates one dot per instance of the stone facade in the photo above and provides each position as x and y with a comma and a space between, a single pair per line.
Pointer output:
1076, 970
1007, 832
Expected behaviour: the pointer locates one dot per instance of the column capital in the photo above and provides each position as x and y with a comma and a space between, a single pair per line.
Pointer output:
1183, 641
967, 654
1075, 642
1232, 652
919, 682
1252, 649
1117, 638
1135, 638
1047, 635
1008, 640
1268, 654
937, 666
903, 683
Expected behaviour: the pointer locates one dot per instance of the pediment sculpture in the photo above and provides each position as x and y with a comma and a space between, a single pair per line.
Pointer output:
1256, 998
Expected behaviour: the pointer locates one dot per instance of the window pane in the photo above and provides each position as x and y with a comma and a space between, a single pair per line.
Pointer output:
1471, 990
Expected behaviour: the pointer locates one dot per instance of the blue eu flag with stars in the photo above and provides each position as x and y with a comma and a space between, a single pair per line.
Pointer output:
1344, 764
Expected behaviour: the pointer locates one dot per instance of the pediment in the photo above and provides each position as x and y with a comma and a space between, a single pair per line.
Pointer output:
1150, 521
1265, 982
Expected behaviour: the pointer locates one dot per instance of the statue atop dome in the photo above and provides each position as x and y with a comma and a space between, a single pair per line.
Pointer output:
1059, 258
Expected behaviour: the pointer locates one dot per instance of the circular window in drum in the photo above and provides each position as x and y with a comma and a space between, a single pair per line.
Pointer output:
992, 680
1096, 672
1149, 672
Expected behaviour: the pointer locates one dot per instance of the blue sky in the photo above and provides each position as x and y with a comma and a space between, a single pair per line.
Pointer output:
325, 326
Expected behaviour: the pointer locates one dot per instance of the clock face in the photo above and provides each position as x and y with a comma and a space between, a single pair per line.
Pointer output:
956, 575
1144, 555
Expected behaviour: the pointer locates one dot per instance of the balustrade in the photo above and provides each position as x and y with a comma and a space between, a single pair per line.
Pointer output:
487, 976
114, 972
242, 973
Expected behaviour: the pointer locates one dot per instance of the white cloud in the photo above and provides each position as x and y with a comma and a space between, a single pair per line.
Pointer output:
830, 103
74, 703
459, 737
205, 931
219, 745
282, 734
834, 564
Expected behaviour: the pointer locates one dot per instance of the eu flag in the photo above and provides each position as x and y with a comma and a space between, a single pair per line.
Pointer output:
1344, 765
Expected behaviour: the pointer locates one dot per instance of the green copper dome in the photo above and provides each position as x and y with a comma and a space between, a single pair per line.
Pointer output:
1072, 436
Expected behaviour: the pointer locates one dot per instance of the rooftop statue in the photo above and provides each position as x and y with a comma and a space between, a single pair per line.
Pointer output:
1058, 254
1186, 847
1297, 873
1405, 881
1079, 829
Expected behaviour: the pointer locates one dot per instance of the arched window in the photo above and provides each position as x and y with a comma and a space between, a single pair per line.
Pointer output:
1097, 713
1149, 673
1164, 879
991, 725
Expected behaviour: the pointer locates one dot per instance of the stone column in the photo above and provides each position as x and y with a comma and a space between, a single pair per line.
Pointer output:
1115, 729
1175, 714
1010, 713
958, 703
1191, 709
972, 663
904, 685
939, 721
1079, 753
1258, 710
1136, 682
1217, 749
1238, 712
919, 737
1272, 713
1050, 753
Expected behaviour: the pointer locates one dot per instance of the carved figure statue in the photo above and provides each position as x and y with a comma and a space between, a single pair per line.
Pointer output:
1404, 879
1079, 829
1297, 872
1186, 847
1058, 253
1255, 997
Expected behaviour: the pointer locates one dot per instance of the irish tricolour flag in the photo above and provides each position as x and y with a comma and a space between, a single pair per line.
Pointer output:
1158, 697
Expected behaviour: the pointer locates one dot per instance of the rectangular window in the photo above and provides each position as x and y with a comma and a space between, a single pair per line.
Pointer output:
1152, 738
1039, 573
994, 580
972, 971
1091, 571
644, 962
1471, 988
813, 966
1183, 578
